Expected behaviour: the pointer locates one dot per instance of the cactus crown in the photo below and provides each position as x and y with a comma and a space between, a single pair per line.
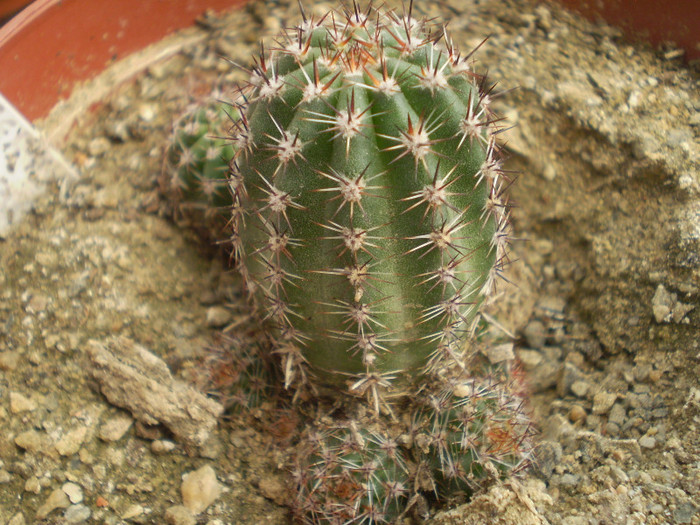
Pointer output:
367, 220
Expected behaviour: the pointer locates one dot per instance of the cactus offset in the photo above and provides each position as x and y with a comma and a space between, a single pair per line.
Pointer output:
466, 429
236, 372
196, 165
350, 475
368, 217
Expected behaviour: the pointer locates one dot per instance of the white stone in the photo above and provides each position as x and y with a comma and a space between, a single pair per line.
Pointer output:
200, 488
73, 491
20, 403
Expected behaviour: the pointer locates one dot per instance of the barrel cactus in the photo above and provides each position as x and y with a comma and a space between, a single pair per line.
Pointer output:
368, 217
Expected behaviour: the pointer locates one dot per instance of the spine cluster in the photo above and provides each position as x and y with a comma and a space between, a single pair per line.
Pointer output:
347, 474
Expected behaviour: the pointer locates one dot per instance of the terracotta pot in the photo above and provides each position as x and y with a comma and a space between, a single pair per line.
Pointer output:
676, 21
53, 44
10, 7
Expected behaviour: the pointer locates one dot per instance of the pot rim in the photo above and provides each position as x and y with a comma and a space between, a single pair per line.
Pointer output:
79, 39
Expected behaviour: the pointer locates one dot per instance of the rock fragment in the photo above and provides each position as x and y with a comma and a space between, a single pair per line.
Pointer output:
71, 442
133, 378
31, 441
200, 488
179, 515
21, 403
667, 308
507, 504
73, 491
603, 402
114, 428
56, 500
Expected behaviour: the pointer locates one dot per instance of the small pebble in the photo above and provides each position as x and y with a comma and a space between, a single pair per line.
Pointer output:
132, 511
71, 442
146, 112
684, 512
9, 361
617, 414
31, 441
162, 446
114, 428
218, 316
273, 489
32, 485
76, 514
535, 334
529, 358
99, 146
580, 388
17, 519
499, 353
603, 402
179, 515
56, 500
577, 413
73, 491
20, 403
200, 488
568, 375
647, 442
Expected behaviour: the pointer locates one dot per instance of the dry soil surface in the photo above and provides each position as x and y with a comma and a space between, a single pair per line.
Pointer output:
603, 306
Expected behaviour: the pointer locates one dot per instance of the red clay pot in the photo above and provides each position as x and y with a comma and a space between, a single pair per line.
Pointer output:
53, 44
676, 21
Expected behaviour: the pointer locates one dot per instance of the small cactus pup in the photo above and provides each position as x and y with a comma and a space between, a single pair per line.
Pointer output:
470, 428
196, 165
368, 216
348, 474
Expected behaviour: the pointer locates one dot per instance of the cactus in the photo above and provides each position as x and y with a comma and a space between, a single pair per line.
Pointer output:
350, 475
368, 217
465, 430
369, 222
196, 165
468, 429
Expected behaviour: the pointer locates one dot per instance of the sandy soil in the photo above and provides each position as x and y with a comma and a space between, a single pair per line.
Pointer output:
604, 301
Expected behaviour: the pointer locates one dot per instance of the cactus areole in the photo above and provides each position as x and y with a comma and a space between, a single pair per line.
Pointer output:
368, 220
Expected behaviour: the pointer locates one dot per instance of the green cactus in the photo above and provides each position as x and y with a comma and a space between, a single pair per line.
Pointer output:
346, 474
367, 212
368, 216
196, 166
467, 429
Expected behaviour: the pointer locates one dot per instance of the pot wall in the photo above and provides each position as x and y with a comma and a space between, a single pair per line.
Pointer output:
675, 21
54, 44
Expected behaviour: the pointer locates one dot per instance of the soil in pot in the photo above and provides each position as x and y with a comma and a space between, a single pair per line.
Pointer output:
603, 303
